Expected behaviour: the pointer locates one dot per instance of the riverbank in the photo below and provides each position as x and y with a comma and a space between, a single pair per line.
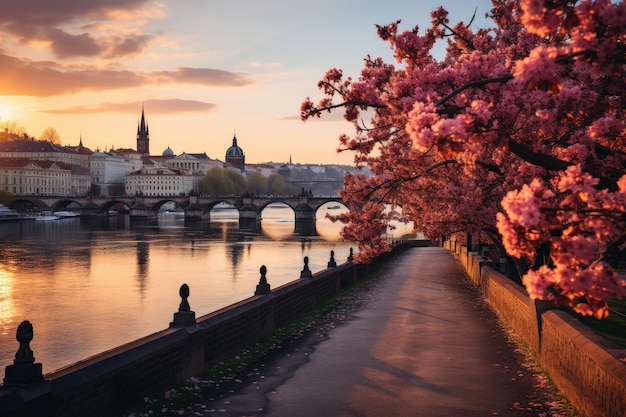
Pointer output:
105, 384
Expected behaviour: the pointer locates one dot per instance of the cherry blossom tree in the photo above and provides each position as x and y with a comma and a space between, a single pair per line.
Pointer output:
517, 136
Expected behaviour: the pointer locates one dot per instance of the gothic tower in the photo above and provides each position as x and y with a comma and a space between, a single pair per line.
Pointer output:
143, 136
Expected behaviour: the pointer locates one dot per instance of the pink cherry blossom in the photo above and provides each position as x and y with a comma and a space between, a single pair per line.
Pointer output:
516, 137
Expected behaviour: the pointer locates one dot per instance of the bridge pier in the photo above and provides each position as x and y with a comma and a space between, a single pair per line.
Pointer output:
305, 219
90, 210
196, 211
249, 216
141, 211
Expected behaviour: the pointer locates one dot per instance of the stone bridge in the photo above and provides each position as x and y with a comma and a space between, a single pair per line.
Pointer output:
195, 207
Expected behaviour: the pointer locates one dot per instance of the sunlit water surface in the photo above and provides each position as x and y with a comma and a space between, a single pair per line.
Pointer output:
89, 285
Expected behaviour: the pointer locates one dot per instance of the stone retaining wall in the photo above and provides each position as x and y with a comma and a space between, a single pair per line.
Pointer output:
587, 368
106, 384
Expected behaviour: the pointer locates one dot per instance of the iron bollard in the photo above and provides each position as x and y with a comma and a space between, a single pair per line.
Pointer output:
331, 262
184, 316
24, 370
263, 287
306, 272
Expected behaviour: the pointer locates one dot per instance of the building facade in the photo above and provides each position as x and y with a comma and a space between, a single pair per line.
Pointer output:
160, 181
22, 176
42, 150
108, 173
197, 163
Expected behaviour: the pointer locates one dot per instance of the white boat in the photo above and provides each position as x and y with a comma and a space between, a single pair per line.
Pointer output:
7, 214
65, 213
45, 218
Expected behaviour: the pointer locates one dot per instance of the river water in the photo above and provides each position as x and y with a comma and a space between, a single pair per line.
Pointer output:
89, 285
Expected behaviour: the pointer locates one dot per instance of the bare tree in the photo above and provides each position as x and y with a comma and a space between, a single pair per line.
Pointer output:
12, 128
50, 134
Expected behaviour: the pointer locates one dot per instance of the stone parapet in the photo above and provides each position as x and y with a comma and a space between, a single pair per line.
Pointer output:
589, 370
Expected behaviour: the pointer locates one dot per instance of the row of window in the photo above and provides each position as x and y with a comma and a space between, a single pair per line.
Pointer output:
33, 190
37, 181
39, 173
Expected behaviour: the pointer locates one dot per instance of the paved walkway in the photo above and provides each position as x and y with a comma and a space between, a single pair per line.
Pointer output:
419, 340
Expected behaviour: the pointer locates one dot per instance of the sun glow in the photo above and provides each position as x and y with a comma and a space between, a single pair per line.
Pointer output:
8, 112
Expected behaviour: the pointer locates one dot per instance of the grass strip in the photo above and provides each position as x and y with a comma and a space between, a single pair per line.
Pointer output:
174, 401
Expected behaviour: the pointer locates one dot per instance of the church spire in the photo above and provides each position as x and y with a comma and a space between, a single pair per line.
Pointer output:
143, 135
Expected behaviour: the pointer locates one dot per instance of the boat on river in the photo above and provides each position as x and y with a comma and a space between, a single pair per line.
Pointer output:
43, 218
46, 216
65, 214
7, 214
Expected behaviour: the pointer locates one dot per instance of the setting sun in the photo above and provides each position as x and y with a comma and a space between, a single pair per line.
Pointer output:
8, 112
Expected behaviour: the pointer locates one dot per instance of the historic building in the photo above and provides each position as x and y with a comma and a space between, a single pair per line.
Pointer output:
43, 150
235, 158
29, 167
160, 181
143, 136
195, 163
108, 172
32, 167
23, 176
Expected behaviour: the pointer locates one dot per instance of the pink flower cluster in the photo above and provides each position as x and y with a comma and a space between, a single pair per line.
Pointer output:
539, 65
578, 223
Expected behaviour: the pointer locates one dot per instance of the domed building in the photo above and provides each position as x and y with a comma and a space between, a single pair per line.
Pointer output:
284, 170
168, 153
235, 156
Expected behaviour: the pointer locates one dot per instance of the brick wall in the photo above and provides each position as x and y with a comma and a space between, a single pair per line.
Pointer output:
587, 368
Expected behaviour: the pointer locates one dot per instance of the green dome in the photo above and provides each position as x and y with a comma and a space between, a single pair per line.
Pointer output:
234, 150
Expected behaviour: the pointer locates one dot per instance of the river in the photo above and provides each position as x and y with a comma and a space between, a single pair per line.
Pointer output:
89, 285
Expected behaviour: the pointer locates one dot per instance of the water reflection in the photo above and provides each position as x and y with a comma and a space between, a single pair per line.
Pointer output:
88, 285
7, 309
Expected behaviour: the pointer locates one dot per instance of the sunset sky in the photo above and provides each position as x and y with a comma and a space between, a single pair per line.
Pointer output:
203, 69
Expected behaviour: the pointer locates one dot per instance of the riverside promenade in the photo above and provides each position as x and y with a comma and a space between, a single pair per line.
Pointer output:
416, 340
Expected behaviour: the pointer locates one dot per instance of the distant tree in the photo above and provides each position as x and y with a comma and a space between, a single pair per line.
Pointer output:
257, 183
239, 181
277, 184
5, 197
12, 127
216, 182
50, 134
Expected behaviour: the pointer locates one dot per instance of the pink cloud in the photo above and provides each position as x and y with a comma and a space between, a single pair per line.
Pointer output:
156, 106
45, 21
20, 76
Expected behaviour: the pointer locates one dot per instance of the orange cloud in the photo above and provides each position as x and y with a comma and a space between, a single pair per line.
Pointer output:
20, 76
156, 106
52, 23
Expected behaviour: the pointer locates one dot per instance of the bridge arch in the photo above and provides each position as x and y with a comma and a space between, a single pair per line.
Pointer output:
105, 208
262, 207
28, 205
63, 204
